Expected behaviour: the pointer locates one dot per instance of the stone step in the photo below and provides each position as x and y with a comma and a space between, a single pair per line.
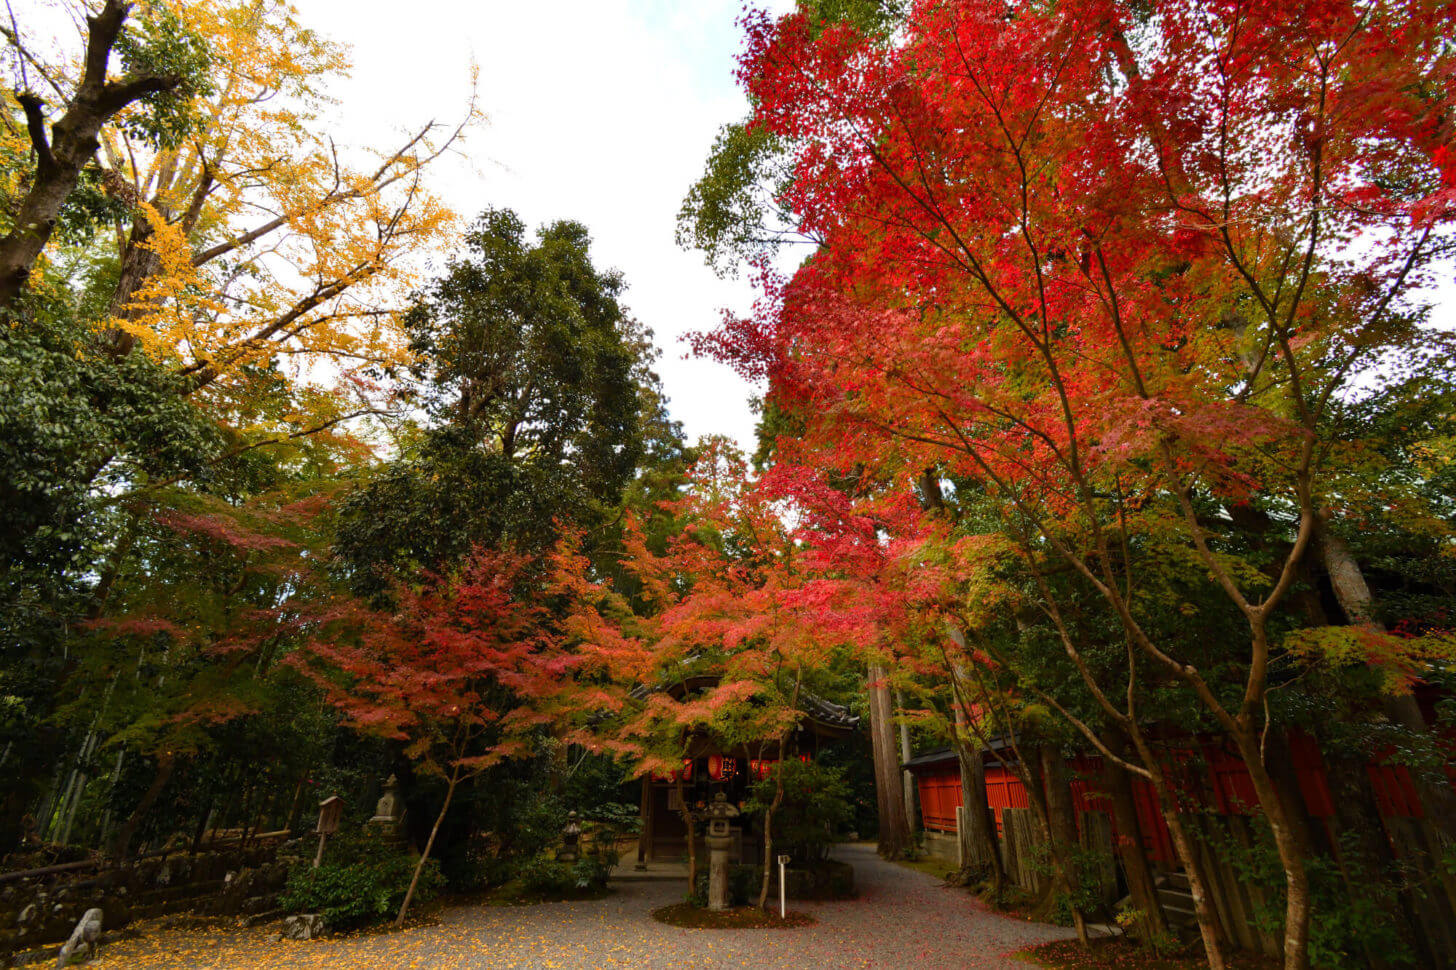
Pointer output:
1176, 899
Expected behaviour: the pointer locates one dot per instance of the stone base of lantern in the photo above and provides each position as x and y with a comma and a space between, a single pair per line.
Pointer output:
390, 831
718, 846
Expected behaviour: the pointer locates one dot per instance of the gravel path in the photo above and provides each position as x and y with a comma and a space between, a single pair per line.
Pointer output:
902, 918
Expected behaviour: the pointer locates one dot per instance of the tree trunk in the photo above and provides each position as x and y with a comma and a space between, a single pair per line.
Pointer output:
1286, 841
245, 813
689, 820
409, 893
889, 790
139, 262
912, 803
295, 811
202, 821
121, 846
979, 841
768, 814
644, 826
1358, 605
1280, 760
1203, 911
70, 146
1062, 825
1365, 860
1129, 843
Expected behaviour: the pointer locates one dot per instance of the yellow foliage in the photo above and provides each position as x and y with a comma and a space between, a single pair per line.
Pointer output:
259, 239
1399, 659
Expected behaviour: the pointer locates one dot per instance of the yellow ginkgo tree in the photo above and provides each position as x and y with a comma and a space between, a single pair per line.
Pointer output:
249, 240
259, 239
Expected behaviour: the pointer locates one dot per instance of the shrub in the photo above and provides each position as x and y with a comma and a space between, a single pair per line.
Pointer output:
814, 812
362, 881
618, 816
743, 885
552, 878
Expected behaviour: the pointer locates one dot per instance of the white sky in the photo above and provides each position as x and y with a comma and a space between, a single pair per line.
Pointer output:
601, 111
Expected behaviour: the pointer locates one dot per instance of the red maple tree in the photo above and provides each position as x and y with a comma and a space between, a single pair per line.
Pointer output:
1108, 261
463, 670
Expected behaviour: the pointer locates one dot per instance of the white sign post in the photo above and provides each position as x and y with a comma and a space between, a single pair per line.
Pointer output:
783, 888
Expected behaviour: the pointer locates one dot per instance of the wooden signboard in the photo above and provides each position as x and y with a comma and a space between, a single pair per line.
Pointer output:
331, 809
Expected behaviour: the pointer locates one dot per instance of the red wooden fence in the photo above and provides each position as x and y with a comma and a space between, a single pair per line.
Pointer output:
1226, 786
940, 796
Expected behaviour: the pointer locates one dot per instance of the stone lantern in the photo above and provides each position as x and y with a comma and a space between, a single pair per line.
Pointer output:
719, 841
570, 839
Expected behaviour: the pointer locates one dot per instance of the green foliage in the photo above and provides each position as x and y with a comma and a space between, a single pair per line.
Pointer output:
76, 421
877, 18
738, 211
593, 788
733, 212
77, 427
157, 42
361, 881
549, 878
815, 809
1085, 864
1347, 920
1135, 920
514, 813
616, 816
542, 403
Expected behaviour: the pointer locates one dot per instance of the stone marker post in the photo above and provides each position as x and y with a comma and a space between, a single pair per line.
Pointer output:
719, 842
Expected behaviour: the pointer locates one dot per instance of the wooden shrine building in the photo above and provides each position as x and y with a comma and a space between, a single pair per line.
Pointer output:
708, 769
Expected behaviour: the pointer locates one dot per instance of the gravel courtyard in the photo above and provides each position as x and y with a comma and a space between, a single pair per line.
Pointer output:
902, 918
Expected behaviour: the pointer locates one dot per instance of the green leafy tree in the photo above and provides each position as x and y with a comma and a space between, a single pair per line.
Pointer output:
540, 398
814, 810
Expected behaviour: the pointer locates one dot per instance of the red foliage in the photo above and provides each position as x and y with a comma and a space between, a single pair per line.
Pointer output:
462, 669
1050, 258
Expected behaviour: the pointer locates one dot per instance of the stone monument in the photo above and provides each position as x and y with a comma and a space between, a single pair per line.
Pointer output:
84, 940
389, 810
719, 842
388, 821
